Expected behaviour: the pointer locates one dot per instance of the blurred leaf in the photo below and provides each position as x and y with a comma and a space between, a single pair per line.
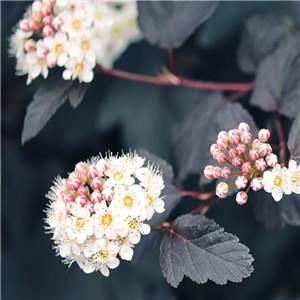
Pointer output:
277, 84
274, 214
172, 197
168, 24
76, 95
294, 140
200, 249
195, 136
261, 35
47, 99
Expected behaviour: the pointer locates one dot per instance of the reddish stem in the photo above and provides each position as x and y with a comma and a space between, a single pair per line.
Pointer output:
180, 82
235, 96
282, 145
197, 194
172, 61
203, 208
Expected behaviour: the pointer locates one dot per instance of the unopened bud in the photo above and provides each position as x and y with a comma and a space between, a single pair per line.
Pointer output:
47, 21
46, 11
208, 172
240, 149
264, 135
243, 127
222, 143
241, 182
241, 198
107, 194
272, 160
48, 31
236, 162
246, 167
234, 140
260, 164
253, 154
96, 196
96, 183
24, 25
256, 184
226, 172
34, 24
57, 23
246, 137
29, 45
217, 172
222, 190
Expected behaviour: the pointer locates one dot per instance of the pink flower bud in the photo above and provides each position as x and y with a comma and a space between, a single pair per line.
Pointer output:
264, 135
83, 191
69, 198
102, 166
256, 143
48, 3
240, 149
70, 206
48, 31
223, 135
93, 172
57, 23
222, 143
42, 52
81, 199
24, 25
221, 158
246, 167
243, 127
208, 172
96, 196
233, 132
253, 154
234, 140
46, 11
232, 153
241, 182
256, 183
60, 193
217, 172
34, 24
36, 6
73, 175
260, 164
272, 160
216, 153
96, 183
236, 162
29, 45
78, 6
226, 172
90, 207
246, 137
264, 149
241, 198
222, 190
47, 21
213, 147
75, 183
107, 194
51, 60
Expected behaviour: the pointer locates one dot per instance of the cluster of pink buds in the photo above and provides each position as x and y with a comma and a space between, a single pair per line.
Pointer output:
250, 158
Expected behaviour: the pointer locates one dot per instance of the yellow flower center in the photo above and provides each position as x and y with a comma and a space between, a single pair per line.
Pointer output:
59, 49
76, 24
41, 62
278, 181
85, 45
295, 177
80, 223
79, 67
128, 201
117, 30
103, 254
149, 200
118, 176
106, 220
97, 16
133, 224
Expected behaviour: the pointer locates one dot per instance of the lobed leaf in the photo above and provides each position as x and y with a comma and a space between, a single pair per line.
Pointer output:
294, 140
277, 84
195, 136
168, 24
172, 197
200, 249
261, 35
47, 99
274, 214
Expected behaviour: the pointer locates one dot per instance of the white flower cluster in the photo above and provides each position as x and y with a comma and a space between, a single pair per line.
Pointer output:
282, 181
100, 210
75, 35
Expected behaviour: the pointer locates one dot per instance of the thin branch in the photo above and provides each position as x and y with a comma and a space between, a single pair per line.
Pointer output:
235, 96
197, 194
172, 61
203, 208
161, 80
282, 144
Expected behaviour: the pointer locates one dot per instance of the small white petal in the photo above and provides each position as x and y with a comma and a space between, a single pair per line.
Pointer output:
276, 194
87, 76
126, 253
113, 263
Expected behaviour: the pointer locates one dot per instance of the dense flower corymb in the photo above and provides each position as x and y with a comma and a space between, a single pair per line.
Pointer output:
251, 161
76, 35
100, 210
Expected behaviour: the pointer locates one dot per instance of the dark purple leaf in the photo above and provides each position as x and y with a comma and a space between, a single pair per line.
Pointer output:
200, 249
172, 197
46, 101
274, 214
168, 24
277, 84
294, 140
195, 136
261, 35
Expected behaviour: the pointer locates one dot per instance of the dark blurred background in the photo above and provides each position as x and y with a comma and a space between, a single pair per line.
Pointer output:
117, 114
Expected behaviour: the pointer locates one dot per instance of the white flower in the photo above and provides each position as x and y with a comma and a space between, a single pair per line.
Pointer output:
154, 203
294, 176
125, 247
150, 177
58, 48
275, 182
78, 68
106, 221
67, 246
78, 225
